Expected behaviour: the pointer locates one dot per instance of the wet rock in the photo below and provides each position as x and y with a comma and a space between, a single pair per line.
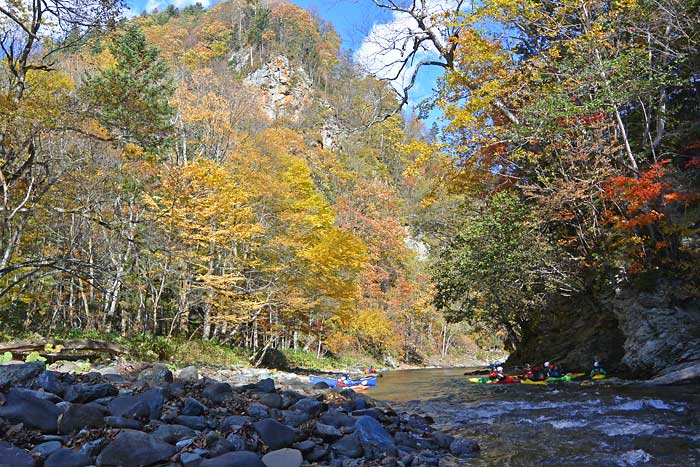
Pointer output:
193, 407
46, 449
309, 405
464, 447
87, 392
283, 458
218, 392
265, 385
35, 413
234, 459
48, 381
271, 400
196, 423
173, 433
258, 411
234, 422
67, 458
375, 440
349, 446
274, 434
189, 373
133, 449
17, 375
146, 405
79, 416
156, 376
123, 422
190, 459
14, 456
328, 431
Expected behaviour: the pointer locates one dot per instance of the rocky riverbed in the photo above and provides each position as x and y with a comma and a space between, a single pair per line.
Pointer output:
133, 417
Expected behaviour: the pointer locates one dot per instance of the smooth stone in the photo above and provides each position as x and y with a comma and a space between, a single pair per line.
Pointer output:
196, 423
318, 453
48, 381
375, 440
190, 459
188, 373
67, 458
123, 422
305, 446
234, 422
146, 405
272, 400
193, 407
47, 448
257, 410
234, 459
173, 433
309, 405
328, 431
337, 419
218, 392
274, 434
16, 375
47, 396
133, 449
35, 413
87, 392
15, 457
349, 446
108, 370
79, 416
265, 385
283, 458
464, 447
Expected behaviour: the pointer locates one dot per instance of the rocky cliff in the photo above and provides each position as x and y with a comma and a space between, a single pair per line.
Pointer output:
634, 333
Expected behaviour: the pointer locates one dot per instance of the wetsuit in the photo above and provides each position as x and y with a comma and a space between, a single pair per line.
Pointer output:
597, 371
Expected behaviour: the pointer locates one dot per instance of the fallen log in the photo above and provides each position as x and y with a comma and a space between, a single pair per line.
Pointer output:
27, 346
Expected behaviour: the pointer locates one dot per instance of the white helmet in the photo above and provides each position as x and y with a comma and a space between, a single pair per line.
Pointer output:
546, 364
596, 364
500, 368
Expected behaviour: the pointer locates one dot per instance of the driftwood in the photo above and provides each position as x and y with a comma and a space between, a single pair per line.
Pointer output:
25, 347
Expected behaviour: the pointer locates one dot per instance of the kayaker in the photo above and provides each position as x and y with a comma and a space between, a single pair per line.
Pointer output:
597, 370
497, 374
552, 370
527, 372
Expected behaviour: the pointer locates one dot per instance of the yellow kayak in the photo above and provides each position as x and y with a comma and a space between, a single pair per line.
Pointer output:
529, 381
599, 377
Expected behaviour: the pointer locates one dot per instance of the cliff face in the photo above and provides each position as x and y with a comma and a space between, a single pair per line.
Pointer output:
285, 91
640, 334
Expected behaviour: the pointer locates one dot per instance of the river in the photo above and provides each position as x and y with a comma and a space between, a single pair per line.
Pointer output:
567, 424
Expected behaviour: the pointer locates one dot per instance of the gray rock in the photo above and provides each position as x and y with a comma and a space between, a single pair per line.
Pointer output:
283, 458
190, 459
47, 396
443, 440
337, 419
464, 447
328, 431
258, 411
271, 400
184, 443
349, 446
173, 433
217, 446
295, 418
218, 392
305, 446
46, 449
93, 448
196, 423
274, 434
48, 381
35, 413
318, 453
193, 407
375, 440
309, 405
146, 405
156, 376
189, 373
87, 392
108, 370
67, 458
15, 457
234, 459
79, 416
238, 442
265, 385
133, 449
234, 422
320, 385
17, 375
123, 422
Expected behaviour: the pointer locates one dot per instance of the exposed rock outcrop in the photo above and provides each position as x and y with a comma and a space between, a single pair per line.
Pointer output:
286, 90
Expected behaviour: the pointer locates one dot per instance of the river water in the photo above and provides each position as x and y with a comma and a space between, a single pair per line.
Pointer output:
567, 424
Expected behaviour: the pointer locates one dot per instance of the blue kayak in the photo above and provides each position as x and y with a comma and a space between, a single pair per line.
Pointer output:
333, 382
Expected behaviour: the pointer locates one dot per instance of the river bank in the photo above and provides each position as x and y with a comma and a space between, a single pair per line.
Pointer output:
123, 416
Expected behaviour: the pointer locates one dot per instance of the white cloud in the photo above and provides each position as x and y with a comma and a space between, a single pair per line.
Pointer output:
383, 50
162, 4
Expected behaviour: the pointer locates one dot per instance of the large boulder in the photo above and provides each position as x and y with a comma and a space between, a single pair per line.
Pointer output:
274, 434
265, 385
133, 449
218, 392
79, 416
155, 376
67, 458
88, 392
15, 457
48, 381
234, 459
17, 375
309, 405
348, 446
146, 405
35, 413
189, 373
193, 407
283, 458
375, 440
